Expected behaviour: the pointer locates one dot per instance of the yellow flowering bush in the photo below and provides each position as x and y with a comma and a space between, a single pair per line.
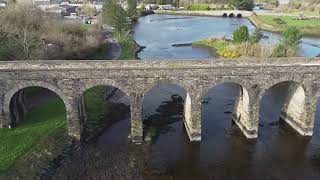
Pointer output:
230, 54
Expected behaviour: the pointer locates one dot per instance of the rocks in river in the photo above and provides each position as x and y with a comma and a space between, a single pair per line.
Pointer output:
227, 112
182, 45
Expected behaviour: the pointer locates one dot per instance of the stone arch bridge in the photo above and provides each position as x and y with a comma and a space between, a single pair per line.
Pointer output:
69, 80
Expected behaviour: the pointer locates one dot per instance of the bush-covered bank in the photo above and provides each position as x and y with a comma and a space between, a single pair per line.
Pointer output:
31, 141
246, 45
308, 27
129, 47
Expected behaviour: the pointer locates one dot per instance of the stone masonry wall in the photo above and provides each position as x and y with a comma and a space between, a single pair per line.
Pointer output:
70, 79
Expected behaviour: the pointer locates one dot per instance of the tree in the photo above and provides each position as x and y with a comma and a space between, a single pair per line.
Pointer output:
241, 34
291, 37
88, 11
256, 35
242, 4
115, 15
132, 8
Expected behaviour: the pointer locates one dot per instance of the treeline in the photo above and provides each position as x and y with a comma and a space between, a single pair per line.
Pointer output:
27, 33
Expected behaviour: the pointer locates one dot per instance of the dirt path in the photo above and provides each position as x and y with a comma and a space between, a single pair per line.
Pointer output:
114, 48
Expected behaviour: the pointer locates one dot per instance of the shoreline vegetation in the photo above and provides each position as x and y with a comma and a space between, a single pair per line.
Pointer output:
308, 27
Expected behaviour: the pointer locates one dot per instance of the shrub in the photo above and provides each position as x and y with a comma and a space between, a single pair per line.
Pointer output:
241, 34
291, 37
230, 54
279, 51
256, 35
279, 21
248, 49
198, 7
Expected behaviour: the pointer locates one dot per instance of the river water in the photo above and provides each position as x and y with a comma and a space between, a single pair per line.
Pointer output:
279, 153
159, 32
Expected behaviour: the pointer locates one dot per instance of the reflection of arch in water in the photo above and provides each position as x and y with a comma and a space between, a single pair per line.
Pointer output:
241, 109
104, 93
187, 105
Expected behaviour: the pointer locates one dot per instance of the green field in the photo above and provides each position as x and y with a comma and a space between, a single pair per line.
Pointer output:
291, 21
307, 27
39, 124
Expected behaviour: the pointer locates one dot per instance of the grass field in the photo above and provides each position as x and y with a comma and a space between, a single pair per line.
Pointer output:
307, 27
291, 21
39, 124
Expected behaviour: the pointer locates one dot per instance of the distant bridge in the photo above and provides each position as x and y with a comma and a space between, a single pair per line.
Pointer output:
220, 13
70, 79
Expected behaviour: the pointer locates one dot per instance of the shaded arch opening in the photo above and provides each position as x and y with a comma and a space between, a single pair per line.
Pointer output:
223, 106
39, 118
224, 15
165, 108
33, 98
231, 15
239, 15
105, 109
282, 102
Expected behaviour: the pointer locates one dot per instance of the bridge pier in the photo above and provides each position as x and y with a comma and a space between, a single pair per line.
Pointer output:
136, 118
192, 118
246, 114
75, 117
299, 112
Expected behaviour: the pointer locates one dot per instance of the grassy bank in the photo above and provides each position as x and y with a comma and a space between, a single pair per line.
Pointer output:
97, 106
218, 45
307, 27
22, 142
128, 45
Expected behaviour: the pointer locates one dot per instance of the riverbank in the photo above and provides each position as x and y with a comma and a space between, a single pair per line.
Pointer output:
28, 146
130, 48
308, 27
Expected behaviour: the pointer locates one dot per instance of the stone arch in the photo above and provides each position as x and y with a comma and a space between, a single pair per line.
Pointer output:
96, 83
242, 113
224, 15
294, 107
239, 15
189, 104
74, 125
22, 85
231, 15
103, 82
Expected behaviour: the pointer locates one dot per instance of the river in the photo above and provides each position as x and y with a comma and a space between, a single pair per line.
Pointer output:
224, 153
159, 32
